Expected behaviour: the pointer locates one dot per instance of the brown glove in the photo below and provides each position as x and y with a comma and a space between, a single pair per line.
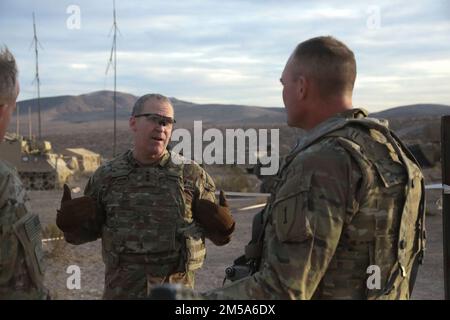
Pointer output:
74, 212
215, 219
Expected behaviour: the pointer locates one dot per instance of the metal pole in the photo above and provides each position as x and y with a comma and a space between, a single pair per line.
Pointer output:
29, 123
115, 79
35, 39
113, 62
115, 87
445, 164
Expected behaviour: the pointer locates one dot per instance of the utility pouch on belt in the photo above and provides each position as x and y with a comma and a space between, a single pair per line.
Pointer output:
196, 251
28, 231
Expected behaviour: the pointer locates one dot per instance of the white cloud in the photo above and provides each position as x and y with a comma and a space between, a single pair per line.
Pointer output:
429, 68
78, 66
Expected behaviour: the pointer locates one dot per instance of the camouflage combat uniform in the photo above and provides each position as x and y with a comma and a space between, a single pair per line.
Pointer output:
21, 255
144, 217
349, 196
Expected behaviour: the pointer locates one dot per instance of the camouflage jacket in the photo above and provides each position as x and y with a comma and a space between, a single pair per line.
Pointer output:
350, 200
21, 255
146, 212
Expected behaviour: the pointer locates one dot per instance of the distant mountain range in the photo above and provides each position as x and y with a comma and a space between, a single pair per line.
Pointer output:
414, 111
97, 106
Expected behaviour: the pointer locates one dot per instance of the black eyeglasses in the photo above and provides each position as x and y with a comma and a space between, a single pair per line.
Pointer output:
156, 118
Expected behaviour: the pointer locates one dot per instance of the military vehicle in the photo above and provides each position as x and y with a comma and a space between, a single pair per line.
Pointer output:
427, 154
82, 160
426, 145
38, 167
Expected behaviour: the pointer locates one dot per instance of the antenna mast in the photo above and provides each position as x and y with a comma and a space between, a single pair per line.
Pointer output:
30, 131
36, 78
113, 61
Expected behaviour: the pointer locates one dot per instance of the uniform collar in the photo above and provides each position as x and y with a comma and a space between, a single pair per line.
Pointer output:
355, 113
161, 163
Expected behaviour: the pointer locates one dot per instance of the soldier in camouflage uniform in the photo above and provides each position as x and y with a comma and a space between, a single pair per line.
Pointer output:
21, 265
349, 202
144, 201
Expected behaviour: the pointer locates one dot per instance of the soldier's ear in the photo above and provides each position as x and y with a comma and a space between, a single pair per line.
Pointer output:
132, 123
302, 86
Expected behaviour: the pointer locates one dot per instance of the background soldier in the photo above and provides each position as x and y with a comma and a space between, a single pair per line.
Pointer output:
21, 265
142, 204
350, 195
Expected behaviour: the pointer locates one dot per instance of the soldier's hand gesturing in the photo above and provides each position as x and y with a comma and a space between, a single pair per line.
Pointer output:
74, 212
215, 219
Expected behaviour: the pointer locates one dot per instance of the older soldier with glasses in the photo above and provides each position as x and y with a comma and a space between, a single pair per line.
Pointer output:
151, 208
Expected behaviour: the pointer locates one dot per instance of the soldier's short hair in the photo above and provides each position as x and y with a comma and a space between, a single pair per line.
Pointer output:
8, 74
139, 104
329, 62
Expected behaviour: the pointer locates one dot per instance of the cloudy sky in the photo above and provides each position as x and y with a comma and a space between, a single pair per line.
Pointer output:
229, 51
